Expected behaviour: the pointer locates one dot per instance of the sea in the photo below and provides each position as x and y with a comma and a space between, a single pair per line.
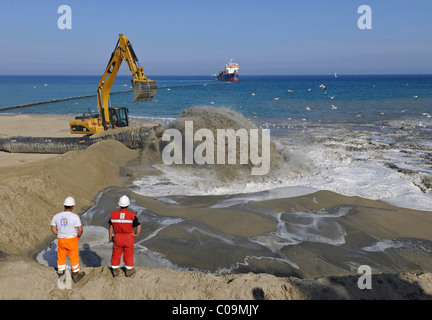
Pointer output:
355, 135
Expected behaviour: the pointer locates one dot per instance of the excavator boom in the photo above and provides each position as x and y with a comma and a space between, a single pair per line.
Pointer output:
144, 89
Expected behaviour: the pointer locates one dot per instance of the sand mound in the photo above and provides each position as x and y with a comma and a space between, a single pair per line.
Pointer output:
215, 119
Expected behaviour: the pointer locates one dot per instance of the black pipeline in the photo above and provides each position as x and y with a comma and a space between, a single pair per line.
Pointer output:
133, 138
94, 95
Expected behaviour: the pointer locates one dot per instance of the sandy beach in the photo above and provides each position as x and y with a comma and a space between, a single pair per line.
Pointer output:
33, 187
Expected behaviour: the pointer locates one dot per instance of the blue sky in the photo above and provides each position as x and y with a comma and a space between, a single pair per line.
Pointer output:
189, 37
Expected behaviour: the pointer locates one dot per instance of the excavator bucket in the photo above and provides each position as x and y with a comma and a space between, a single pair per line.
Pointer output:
144, 90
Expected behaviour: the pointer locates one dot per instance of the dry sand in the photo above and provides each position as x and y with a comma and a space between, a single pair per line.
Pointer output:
32, 188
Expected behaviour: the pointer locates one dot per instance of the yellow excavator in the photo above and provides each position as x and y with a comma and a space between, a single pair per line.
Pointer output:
144, 89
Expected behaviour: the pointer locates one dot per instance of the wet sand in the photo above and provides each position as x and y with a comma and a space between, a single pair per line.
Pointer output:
33, 187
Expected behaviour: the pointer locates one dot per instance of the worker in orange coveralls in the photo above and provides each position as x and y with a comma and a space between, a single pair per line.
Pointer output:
126, 228
66, 225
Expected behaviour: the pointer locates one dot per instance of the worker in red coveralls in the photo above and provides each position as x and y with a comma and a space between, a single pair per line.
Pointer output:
126, 228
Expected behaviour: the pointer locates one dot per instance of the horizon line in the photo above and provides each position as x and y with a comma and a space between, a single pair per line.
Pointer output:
204, 75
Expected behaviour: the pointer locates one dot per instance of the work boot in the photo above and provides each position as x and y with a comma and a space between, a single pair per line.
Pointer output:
130, 272
115, 272
77, 276
61, 275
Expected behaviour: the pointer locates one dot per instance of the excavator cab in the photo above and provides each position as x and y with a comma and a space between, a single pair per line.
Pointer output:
119, 117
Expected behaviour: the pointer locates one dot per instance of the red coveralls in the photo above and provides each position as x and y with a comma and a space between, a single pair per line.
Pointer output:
123, 222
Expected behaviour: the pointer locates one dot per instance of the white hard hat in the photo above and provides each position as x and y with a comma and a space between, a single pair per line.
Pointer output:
69, 202
124, 201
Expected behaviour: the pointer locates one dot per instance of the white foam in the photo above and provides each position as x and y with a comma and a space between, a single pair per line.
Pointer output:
151, 259
174, 181
222, 237
275, 193
245, 262
367, 177
411, 244
344, 176
164, 222
382, 245
333, 158
295, 228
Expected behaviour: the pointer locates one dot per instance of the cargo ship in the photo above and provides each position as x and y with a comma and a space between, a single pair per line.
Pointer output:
230, 73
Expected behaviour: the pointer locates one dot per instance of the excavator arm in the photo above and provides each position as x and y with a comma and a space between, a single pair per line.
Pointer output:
144, 89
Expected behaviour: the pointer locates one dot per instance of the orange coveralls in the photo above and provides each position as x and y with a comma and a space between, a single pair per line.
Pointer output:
65, 246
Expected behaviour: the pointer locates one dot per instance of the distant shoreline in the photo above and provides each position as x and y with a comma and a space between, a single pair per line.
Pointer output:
168, 76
